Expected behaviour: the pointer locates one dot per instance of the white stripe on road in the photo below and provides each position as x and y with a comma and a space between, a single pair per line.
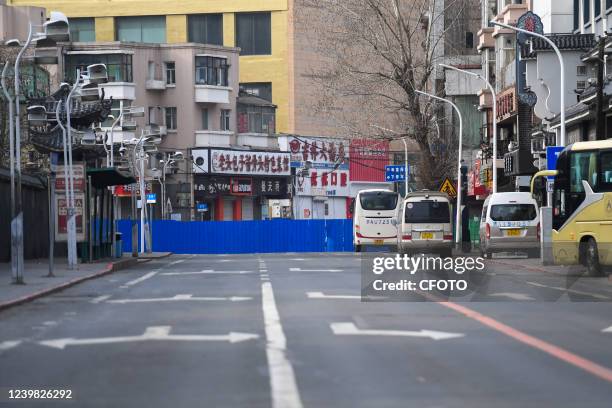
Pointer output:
577, 292
141, 279
285, 393
207, 272
314, 270
100, 299
7, 345
179, 298
608, 330
321, 295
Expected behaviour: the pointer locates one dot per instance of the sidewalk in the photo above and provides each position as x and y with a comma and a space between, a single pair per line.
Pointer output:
535, 265
37, 284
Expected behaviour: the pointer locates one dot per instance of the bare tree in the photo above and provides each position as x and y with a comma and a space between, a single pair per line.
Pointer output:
380, 52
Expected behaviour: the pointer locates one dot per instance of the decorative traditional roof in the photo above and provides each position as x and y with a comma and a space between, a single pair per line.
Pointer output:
577, 42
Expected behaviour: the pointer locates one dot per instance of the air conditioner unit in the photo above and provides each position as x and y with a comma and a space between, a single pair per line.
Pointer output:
200, 160
163, 130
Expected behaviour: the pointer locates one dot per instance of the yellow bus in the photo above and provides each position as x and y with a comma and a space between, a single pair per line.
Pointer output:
582, 206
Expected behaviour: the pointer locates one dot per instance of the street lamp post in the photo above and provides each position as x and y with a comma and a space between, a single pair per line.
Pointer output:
492, 90
460, 153
562, 140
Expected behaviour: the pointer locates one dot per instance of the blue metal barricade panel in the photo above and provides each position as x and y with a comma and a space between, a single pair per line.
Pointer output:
241, 237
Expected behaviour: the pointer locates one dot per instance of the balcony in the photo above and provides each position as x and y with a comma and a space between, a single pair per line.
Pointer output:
259, 140
119, 90
155, 85
214, 138
212, 94
509, 15
485, 99
485, 38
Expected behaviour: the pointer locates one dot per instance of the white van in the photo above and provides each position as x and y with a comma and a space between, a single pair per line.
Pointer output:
425, 224
374, 218
510, 222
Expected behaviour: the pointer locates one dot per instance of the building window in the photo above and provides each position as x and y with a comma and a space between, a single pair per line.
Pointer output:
580, 85
82, 29
581, 70
212, 71
586, 9
225, 119
205, 118
260, 89
148, 29
469, 40
253, 33
576, 14
170, 73
153, 115
118, 66
205, 28
256, 119
171, 118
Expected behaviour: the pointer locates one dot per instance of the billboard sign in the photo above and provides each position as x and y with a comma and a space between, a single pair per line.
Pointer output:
249, 162
322, 182
322, 153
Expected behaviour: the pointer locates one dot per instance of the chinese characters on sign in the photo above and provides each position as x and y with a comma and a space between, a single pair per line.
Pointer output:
61, 225
250, 163
322, 153
213, 186
321, 182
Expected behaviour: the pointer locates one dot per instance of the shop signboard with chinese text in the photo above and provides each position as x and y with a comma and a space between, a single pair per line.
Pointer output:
249, 163
61, 214
321, 153
322, 182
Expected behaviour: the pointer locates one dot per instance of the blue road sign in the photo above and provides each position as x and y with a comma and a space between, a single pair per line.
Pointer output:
395, 173
151, 198
552, 154
202, 207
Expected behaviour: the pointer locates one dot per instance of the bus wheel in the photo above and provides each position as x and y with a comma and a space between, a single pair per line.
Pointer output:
591, 258
357, 248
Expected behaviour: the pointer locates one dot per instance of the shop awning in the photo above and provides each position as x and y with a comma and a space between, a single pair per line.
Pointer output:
108, 176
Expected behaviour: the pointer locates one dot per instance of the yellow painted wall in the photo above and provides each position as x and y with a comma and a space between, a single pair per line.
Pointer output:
272, 68
105, 29
176, 28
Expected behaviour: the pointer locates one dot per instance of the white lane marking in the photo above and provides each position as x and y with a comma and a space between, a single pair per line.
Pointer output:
9, 344
50, 323
207, 272
577, 292
141, 279
608, 330
154, 333
178, 261
321, 295
297, 259
285, 393
100, 299
314, 270
513, 296
349, 328
179, 298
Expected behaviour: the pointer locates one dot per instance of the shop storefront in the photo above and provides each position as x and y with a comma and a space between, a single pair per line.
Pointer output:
234, 185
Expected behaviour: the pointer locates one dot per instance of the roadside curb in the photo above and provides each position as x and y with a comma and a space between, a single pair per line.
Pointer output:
110, 268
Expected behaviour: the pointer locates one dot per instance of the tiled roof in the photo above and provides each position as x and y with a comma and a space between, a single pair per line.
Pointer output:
582, 42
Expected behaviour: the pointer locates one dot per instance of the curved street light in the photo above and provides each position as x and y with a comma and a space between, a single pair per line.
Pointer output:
458, 215
492, 90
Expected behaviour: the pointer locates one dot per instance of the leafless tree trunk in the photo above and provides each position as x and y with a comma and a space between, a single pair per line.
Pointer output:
380, 52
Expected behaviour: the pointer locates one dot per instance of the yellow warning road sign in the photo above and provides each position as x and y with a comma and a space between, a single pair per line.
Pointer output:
449, 188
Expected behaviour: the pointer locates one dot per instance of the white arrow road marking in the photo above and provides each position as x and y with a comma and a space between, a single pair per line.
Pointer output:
314, 270
181, 298
7, 345
349, 328
321, 295
207, 272
578, 292
285, 393
154, 333
608, 330
514, 296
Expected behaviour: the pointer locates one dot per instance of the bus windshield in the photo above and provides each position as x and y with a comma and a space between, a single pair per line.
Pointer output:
513, 212
378, 200
427, 211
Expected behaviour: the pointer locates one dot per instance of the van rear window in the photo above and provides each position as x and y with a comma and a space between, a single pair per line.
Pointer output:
378, 201
513, 212
427, 211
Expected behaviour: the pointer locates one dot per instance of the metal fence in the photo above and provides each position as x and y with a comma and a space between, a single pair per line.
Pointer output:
241, 237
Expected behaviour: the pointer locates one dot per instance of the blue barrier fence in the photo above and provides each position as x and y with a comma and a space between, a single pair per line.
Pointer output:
241, 237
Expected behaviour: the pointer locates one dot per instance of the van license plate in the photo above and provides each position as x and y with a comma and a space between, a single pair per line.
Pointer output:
513, 232
379, 241
427, 235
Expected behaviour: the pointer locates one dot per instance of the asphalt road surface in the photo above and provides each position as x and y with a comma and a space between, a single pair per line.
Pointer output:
290, 330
